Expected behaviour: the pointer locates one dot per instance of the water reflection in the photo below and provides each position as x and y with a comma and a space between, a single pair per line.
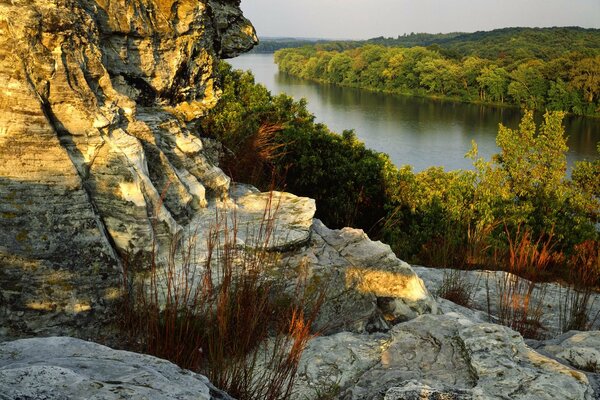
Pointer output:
415, 131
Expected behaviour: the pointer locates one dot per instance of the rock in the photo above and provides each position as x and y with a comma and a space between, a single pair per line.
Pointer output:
367, 287
414, 390
275, 221
438, 356
56, 368
330, 363
485, 286
581, 350
427, 349
98, 153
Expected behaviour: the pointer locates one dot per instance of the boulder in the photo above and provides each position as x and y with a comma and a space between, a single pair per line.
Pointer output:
58, 368
367, 287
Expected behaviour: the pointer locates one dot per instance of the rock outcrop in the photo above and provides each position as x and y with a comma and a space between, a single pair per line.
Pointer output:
97, 152
432, 357
368, 288
486, 295
65, 368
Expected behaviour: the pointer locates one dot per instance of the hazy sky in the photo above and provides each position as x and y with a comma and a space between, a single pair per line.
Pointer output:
362, 19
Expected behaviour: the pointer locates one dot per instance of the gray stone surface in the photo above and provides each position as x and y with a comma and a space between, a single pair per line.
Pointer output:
367, 287
414, 390
447, 356
331, 363
62, 368
276, 221
579, 349
485, 285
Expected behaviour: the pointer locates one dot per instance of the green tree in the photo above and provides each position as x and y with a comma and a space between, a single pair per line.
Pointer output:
493, 82
339, 68
529, 86
471, 70
585, 76
439, 76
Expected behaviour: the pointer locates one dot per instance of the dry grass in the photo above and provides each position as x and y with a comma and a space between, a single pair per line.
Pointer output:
221, 314
462, 245
457, 288
578, 299
519, 297
253, 159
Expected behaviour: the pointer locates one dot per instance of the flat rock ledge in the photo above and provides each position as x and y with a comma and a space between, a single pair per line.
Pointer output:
63, 368
485, 296
276, 221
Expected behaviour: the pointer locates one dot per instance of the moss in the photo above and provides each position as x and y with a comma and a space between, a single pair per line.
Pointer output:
22, 235
9, 215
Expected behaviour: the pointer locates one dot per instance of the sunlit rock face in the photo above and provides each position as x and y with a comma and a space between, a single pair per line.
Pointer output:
96, 154
367, 288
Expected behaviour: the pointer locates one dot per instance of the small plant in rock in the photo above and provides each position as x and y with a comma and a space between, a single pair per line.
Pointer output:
457, 287
215, 309
327, 392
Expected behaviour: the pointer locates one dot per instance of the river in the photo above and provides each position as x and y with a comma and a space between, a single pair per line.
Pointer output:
416, 131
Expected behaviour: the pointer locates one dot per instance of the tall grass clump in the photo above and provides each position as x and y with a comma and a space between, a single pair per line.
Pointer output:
213, 308
457, 287
579, 297
519, 297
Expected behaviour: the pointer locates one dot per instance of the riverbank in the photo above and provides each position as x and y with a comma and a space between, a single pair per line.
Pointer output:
417, 131
559, 83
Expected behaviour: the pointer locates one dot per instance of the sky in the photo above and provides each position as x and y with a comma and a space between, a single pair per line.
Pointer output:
363, 19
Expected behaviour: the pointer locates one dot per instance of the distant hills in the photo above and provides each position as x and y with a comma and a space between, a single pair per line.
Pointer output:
516, 43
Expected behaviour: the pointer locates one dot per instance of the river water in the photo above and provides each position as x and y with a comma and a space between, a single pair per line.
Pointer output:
416, 131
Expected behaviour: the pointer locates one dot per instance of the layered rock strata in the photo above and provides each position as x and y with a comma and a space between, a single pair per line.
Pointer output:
98, 156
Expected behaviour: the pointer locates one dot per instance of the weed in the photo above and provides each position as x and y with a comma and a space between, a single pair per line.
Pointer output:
218, 312
519, 298
457, 287
578, 298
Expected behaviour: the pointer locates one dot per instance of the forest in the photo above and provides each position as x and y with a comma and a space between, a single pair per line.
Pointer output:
555, 69
463, 218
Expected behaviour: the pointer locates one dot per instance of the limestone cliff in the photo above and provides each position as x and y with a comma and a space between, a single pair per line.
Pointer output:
100, 162
97, 157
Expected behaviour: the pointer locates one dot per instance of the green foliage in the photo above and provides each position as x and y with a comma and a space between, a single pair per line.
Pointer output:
338, 171
517, 66
524, 186
586, 176
434, 216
